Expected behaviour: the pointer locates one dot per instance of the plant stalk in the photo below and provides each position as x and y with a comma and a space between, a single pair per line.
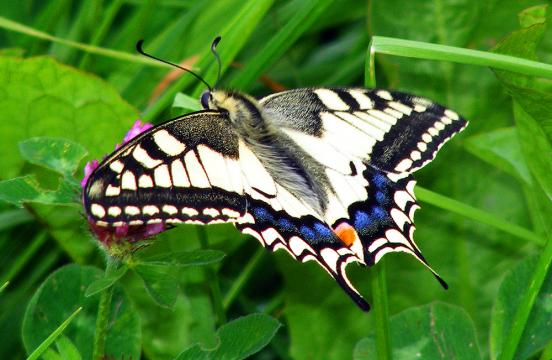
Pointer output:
104, 309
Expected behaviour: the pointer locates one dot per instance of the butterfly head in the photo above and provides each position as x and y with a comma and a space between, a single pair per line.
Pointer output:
241, 109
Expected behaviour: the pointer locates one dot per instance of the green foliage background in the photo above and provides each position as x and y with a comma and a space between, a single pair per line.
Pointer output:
69, 70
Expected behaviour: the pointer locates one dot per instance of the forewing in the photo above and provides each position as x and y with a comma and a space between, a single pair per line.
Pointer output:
392, 131
185, 170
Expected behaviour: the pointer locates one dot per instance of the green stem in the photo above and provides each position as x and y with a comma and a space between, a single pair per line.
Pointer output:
102, 318
242, 279
427, 51
378, 278
473, 213
213, 280
118, 55
527, 301
381, 311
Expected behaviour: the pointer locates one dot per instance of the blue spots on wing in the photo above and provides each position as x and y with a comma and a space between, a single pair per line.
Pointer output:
362, 220
323, 231
307, 233
286, 225
380, 197
263, 214
380, 180
366, 219
378, 213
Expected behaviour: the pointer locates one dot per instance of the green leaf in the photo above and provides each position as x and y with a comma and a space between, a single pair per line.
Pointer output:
160, 284
238, 339
501, 148
186, 102
537, 148
47, 98
538, 330
63, 291
434, 331
184, 258
105, 282
25, 189
52, 337
58, 154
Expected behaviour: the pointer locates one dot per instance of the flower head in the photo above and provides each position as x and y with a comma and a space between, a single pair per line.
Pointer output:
123, 233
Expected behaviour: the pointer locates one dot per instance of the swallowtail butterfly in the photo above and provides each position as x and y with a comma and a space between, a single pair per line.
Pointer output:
323, 173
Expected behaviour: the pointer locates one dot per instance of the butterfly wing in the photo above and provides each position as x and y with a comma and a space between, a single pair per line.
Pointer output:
176, 172
370, 142
196, 169
392, 131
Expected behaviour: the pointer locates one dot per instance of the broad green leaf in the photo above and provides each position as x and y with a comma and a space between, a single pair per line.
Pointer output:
25, 189
46, 98
105, 282
64, 291
160, 283
41, 97
501, 148
58, 154
435, 331
186, 102
238, 339
538, 331
184, 258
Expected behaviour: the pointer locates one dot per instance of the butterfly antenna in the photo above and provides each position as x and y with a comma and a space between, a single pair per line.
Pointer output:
141, 51
215, 53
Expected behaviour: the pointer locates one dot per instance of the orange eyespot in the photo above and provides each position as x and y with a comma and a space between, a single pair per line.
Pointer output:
346, 233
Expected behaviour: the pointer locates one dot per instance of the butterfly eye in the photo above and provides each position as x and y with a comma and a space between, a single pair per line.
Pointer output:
205, 99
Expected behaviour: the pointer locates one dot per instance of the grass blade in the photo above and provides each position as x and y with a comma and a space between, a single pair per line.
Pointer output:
53, 336
427, 51
277, 45
114, 54
478, 215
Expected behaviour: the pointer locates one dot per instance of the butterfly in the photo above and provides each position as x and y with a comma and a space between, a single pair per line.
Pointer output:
323, 173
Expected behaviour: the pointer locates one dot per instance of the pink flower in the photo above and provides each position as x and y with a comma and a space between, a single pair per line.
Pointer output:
134, 131
125, 232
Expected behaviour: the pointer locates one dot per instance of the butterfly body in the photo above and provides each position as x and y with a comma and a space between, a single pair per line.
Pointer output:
325, 174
